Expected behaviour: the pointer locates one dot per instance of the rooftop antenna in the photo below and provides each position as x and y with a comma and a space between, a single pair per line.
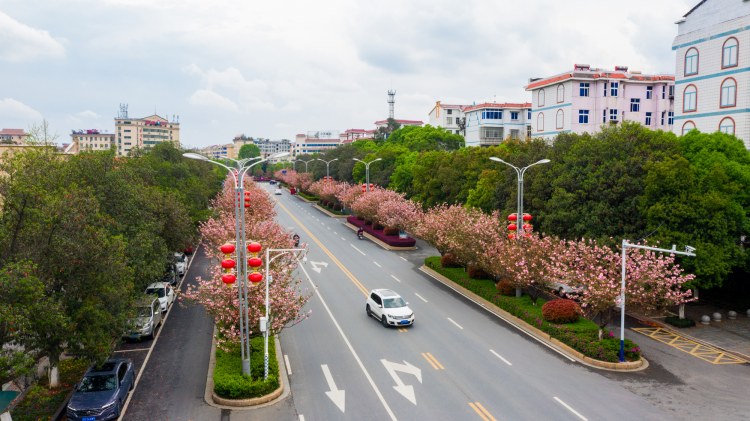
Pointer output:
391, 102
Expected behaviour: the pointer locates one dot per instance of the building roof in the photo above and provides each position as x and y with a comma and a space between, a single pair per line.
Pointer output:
694, 7
12, 132
584, 72
408, 122
496, 105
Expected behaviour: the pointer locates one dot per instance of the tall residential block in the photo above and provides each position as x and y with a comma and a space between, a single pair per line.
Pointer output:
490, 123
144, 133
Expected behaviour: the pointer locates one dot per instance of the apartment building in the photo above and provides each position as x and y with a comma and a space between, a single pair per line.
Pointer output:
89, 140
315, 142
447, 116
583, 99
350, 135
384, 123
267, 147
491, 123
713, 69
144, 133
13, 136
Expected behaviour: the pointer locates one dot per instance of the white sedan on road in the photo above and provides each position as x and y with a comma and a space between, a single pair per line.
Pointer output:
277, 191
388, 307
165, 293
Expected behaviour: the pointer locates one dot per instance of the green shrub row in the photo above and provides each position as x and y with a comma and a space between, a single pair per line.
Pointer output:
41, 402
229, 382
677, 322
583, 335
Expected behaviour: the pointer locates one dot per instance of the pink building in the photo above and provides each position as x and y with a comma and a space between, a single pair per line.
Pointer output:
583, 99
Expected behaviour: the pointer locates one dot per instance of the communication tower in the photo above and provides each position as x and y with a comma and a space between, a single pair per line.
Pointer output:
391, 102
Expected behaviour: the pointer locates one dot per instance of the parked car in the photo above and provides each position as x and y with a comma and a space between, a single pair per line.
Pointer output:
388, 307
180, 261
102, 391
164, 292
277, 191
271, 181
562, 289
170, 274
147, 319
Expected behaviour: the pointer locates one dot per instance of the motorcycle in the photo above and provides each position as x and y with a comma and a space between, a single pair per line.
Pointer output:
360, 234
296, 240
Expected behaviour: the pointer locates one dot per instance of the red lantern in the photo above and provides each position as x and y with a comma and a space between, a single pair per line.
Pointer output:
255, 277
254, 262
228, 264
364, 187
527, 217
254, 247
512, 217
511, 236
228, 278
227, 248
527, 227
512, 227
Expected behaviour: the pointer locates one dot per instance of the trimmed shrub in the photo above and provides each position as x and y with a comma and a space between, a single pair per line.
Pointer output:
337, 207
505, 287
390, 231
231, 384
561, 311
449, 260
677, 322
476, 272
377, 226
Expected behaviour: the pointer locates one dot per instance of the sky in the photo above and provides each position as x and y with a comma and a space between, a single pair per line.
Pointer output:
273, 69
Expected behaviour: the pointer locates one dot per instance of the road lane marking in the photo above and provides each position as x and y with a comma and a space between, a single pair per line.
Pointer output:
479, 409
131, 350
570, 409
499, 356
401, 330
433, 361
335, 394
397, 280
377, 264
343, 238
351, 348
402, 259
457, 325
405, 390
355, 248
335, 233
420, 297
288, 366
301, 417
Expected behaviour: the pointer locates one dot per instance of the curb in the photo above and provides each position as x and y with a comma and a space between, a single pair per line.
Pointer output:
272, 398
543, 337
378, 242
327, 212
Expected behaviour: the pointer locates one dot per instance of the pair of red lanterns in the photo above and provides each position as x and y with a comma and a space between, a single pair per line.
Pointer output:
247, 201
527, 227
364, 187
254, 262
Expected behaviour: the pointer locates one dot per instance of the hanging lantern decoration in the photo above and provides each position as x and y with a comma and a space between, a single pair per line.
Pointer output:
228, 264
512, 217
527, 217
247, 199
227, 248
254, 247
528, 227
228, 278
364, 187
255, 277
511, 236
512, 227
254, 262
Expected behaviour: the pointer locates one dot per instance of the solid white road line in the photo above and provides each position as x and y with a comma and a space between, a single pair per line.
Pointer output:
288, 366
457, 325
499, 356
402, 259
420, 297
351, 348
570, 409
377, 264
343, 238
355, 248
397, 280
335, 233
301, 417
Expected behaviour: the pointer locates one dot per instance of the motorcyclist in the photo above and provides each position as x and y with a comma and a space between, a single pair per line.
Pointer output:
295, 237
360, 233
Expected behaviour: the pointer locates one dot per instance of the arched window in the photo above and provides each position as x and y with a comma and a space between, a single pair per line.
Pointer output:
540, 98
690, 99
560, 93
728, 93
560, 119
691, 62
689, 125
727, 125
729, 53
540, 122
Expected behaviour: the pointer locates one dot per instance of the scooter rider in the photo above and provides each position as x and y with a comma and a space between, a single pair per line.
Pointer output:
295, 237
360, 233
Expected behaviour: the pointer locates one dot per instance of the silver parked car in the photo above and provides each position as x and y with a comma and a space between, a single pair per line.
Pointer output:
148, 318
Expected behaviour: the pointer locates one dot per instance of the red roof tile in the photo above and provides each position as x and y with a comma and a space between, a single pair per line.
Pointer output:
496, 105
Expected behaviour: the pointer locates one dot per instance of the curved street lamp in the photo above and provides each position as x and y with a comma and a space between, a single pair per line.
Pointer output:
367, 171
300, 160
519, 195
327, 164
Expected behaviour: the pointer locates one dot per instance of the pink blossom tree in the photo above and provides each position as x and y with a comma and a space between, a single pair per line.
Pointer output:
401, 214
348, 195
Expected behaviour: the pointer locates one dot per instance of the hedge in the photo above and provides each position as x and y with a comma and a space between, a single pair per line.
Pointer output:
230, 383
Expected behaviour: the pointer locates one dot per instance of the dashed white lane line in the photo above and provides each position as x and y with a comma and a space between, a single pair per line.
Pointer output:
457, 325
343, 238
301, 417
355, 248
420, 297
397, 280
377, 264
335, 233
288, 366
402, 259
500, 356
570, 409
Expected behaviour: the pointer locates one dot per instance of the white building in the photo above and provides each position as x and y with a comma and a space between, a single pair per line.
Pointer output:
315, 142
491, 123
267, 147
447, 116
713, 69
582, 99
89, 140
144, 133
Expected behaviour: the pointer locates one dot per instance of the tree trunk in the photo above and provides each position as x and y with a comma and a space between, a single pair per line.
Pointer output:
682, 311
695, 293
601, 333
519, 292
53, 375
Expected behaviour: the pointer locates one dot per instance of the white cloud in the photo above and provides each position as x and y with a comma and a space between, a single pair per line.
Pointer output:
19, 42
88, 114
13, 110
207, 98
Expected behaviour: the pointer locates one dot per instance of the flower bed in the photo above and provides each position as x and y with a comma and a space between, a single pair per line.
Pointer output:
391, 240
228, 379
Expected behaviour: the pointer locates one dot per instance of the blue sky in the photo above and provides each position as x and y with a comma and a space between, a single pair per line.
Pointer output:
277, 68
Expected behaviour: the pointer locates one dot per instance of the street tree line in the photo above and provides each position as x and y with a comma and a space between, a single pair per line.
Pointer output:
81, 237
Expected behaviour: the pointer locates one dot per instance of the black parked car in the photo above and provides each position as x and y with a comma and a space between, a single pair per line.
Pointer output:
102, 391
170, 274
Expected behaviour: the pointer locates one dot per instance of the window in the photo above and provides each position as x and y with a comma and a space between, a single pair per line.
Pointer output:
671, 91
493, 133
649, 92
514, 133
613, 86
560, 119
528, 115
663, 91
613, 115
689, 99
560, 93
492, 115
449, 112
540, 98
728, 93
689, 125
583, 116
635, 105
528, 130
648, 118
514, 115
691, 62
606, 85
663, 113
583, 89
540, 122
729, 53
727, 125
670, 118
604, 116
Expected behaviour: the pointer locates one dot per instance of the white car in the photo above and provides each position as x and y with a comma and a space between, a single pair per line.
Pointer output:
277, 191
388, 307
180, 261
165, 293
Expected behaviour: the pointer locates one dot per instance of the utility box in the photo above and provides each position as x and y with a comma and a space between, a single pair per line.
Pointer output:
263, 324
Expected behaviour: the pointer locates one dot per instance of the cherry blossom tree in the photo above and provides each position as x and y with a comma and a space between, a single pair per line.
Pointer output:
401, 214
348, 195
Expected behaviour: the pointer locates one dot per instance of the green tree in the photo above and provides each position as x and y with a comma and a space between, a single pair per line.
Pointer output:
248, 150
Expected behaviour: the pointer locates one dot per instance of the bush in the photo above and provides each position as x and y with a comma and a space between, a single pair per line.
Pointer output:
505, 287
449, 260
476, 272
228, 379
337, 207
561, 311
40, 402
390, 231
677, 322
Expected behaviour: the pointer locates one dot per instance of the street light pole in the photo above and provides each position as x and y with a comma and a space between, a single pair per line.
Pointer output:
300, 160
268, 278
327, 164
519, 194
367, 171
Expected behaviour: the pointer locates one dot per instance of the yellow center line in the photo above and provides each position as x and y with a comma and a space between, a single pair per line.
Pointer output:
336, 261
433, 361
479, 409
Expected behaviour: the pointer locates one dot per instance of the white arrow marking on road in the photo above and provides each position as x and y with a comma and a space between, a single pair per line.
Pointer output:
336, 395
405, 390
316, 265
